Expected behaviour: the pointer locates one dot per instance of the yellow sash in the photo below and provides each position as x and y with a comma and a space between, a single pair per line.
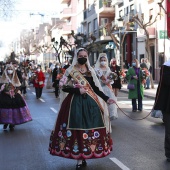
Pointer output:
78, 77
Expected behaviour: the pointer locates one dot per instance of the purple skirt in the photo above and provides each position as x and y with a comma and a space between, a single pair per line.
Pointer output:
13, 110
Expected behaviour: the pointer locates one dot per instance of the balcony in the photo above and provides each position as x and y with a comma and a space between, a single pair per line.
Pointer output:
67, 29
65, 1
105, 8
150, 1
117, 2
66, 13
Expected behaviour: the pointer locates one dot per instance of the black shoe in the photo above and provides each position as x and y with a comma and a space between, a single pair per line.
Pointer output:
134, 110
84, 163
168, 159
5, 126
79, 167
11, 127
140, 110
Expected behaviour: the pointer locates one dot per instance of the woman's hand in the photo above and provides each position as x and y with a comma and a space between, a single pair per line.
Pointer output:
82, 90
110, 101
135, 77
107, 81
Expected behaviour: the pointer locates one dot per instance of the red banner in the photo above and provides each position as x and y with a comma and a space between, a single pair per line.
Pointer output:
168, 17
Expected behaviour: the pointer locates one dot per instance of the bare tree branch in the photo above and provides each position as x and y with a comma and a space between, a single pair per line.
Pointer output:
7, 9
161, 6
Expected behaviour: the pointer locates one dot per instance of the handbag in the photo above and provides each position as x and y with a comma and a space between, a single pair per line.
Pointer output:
131, 86
40, 82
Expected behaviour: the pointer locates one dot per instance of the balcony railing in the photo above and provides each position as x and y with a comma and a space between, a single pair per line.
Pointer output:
117, 2
65, 1
103, 3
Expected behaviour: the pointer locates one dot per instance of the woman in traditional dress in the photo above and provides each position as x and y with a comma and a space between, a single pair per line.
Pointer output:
106, 79
13, 108
82, 130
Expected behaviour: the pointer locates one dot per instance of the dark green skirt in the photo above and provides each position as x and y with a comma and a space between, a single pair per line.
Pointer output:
85, 113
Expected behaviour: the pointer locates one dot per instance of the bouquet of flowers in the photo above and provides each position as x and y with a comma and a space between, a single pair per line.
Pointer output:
60, 74
49, 71
63, 81
112, 76
122, 74
9, 89
145, 73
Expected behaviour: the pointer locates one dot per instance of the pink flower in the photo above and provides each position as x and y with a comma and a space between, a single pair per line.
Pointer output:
2, 87
63, 81
78, 86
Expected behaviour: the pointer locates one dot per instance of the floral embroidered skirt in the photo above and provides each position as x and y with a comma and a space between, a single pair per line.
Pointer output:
13, 110
69, 142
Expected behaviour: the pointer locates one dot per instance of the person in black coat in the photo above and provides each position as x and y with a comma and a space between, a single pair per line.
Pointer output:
116, 86
67, 65
162, 102
57, 72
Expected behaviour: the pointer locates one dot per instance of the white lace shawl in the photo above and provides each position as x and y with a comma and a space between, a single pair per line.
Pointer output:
6, 79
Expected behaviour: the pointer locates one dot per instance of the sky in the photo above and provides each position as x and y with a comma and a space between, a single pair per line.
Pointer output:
10, 29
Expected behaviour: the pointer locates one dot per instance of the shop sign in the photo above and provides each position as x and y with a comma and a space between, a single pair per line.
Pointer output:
162, 34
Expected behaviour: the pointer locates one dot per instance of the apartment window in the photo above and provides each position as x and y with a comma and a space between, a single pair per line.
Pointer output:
95, 24
120, 5
121, 13
132, 9
89, 27
104, 21
126, 10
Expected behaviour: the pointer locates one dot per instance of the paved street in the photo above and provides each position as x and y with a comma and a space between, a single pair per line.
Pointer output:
138, 145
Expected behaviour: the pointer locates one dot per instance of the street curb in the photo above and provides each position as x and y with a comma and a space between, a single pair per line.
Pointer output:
145, 95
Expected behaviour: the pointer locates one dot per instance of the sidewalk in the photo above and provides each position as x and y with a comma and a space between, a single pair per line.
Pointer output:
150, 93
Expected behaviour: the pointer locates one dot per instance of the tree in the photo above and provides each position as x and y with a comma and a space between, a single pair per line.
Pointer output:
91, 46
144, 25
118, 43
7, 8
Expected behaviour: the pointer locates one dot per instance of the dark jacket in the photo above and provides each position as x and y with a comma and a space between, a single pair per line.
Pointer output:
19, 75
117, 83
162, 100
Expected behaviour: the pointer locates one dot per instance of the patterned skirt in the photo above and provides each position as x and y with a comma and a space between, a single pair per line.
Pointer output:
69, 142
13, 110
